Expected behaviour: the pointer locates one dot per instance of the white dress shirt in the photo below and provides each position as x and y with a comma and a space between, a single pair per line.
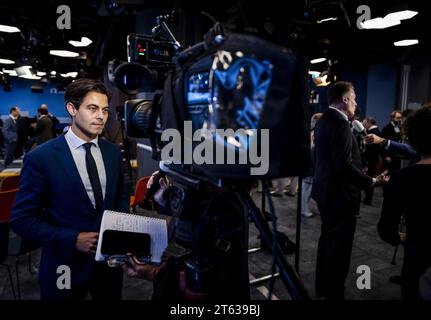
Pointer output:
78, 153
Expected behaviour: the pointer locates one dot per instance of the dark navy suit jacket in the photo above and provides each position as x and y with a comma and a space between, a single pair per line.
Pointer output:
52, 207
403, 149
338, 175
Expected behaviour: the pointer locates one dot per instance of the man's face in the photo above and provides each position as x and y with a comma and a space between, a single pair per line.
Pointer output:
349, 101
15, 113
366, 124
398, 118
90, 118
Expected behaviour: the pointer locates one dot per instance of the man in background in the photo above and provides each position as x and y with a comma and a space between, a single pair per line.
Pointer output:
372, 157
10, 135
54, 120
392, 131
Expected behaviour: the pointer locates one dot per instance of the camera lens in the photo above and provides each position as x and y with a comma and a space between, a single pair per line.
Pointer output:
132, 78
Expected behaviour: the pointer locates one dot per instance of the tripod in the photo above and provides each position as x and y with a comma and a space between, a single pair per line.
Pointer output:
238, 198
288, 275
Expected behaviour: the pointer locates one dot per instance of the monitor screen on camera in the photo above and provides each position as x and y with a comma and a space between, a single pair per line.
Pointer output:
198, 88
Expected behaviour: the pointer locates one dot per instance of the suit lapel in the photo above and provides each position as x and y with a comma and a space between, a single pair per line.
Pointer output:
65, 158
108, 163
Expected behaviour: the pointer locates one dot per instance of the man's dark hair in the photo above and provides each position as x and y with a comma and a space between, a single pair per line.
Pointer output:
371, 120
418, 128
78, 89
394, 113
42, 111
338, 90
12, 109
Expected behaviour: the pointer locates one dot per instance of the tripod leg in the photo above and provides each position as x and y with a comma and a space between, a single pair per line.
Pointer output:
288, 275
298, 223
395, 255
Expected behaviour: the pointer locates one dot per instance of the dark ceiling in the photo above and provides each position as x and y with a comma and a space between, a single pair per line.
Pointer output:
290, 23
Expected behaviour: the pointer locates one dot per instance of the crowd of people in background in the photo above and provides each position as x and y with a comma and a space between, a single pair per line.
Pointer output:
396, 157
20, 134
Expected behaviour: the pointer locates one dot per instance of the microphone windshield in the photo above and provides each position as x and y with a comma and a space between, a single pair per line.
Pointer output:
358, 126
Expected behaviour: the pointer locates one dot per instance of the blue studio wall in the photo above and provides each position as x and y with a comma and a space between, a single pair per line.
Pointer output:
382, 92
358, 75
375, 87
22, 96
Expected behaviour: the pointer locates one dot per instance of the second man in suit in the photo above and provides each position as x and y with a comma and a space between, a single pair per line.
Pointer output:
10, 135
338, 179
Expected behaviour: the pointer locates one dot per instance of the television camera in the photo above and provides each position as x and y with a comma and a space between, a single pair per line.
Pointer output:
219, 115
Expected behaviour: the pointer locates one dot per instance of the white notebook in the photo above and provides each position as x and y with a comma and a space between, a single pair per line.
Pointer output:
156, 228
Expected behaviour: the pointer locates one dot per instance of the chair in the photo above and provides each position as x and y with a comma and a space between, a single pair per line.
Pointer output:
9, 183
7, 199
140, 190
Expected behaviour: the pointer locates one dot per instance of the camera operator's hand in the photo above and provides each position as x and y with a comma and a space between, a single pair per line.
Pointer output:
374, 139
87, 242
159, 194
136, 269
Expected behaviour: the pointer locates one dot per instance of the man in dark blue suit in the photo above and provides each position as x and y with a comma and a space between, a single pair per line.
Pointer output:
10, 135
338, 179
399, 148
65, 186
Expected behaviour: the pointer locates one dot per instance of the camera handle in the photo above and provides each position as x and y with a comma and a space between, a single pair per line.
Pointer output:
161, 25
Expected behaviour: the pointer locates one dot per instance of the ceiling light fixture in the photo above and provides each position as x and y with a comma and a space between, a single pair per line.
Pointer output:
69, 74
23, 71
41, 73
322, 80
380, 23
317, 60
327, 19
10, 72
314, 74
8, 29
406, 42
6, 61
64, 53
390, 20
401, 15
53, 73
31, 77
83, 43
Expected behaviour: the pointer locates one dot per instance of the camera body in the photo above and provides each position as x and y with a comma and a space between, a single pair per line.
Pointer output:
236, 108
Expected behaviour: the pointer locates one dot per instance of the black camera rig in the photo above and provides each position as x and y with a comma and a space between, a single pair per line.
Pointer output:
237, 83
